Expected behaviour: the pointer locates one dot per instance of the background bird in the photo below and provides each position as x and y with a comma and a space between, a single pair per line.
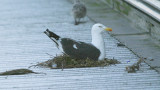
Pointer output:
79, 11
81, 50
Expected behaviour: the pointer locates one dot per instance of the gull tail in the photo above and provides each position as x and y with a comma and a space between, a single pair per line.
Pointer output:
54, 37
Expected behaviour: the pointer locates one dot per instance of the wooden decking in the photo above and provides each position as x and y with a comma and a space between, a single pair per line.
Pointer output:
23, 44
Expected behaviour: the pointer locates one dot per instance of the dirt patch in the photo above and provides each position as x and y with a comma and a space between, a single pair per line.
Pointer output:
64, 61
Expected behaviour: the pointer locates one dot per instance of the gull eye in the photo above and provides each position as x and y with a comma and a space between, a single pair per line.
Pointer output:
100, 26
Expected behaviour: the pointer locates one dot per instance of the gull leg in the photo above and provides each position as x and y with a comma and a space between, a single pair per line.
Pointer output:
75, 22
79, 20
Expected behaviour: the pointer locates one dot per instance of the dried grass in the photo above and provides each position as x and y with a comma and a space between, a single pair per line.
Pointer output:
64, 61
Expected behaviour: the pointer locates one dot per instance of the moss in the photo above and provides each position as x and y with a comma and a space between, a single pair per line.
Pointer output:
127, 8
117, 3
108, 1
17, 72
122, 7
94, 4
64, 61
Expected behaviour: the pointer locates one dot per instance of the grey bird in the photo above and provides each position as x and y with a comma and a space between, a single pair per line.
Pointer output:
79, 11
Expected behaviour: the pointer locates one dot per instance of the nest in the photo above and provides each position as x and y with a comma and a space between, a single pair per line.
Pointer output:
65, 61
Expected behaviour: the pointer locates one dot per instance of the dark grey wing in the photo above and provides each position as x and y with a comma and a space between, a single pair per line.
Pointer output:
79, 50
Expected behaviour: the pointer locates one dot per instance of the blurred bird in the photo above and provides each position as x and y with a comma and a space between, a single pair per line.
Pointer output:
79, 11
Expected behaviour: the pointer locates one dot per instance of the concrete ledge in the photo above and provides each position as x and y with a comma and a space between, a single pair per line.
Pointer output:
154, 3
144, 7
139, 17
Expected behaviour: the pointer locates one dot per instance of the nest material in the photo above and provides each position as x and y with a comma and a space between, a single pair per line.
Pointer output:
17, 72
64, 61
135, 67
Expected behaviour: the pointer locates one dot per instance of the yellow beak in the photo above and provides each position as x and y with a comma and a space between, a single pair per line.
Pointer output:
108, 29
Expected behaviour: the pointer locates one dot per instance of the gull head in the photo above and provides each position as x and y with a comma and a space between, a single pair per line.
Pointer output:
99, 28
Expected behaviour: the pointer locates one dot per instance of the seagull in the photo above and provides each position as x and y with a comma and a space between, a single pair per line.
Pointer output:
81, 50
79, 11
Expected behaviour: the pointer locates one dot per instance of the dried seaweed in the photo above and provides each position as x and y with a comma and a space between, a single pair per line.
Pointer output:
17, 72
